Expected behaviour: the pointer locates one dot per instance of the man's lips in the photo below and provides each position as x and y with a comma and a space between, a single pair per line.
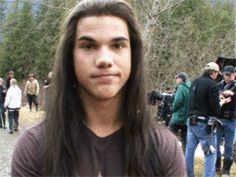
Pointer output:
105, 78
105, 75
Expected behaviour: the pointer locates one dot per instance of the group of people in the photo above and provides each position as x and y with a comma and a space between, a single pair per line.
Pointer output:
204, 112
11, 100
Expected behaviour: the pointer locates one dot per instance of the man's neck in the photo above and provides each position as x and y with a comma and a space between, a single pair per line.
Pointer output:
102, 116
229, 81
212, 76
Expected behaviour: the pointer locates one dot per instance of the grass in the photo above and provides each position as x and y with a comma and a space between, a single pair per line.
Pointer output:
199, 164
28, 119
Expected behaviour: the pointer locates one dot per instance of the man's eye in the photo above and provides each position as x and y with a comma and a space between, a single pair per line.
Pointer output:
87, 46
118, 45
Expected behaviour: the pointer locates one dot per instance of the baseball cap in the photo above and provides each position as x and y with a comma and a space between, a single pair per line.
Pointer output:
212, 66
182, 75
229, 69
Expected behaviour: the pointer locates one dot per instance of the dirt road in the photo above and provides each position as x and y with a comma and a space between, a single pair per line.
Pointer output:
7, 141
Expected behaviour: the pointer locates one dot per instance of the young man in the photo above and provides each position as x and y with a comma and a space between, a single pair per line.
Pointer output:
97, 123
180, 107
204, 108
228, 117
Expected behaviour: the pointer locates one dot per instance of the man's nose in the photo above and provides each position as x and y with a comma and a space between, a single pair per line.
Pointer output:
104, 58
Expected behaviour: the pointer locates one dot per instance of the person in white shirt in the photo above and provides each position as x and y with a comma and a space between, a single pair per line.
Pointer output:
13, 104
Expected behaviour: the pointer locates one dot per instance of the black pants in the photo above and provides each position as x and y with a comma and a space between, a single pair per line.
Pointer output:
13, 118
2, 115
32, 99
175, 128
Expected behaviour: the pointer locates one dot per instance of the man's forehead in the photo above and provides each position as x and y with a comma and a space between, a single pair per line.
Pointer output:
102, 26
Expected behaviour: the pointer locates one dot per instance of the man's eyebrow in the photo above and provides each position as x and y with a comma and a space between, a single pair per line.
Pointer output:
115, 39
86, 38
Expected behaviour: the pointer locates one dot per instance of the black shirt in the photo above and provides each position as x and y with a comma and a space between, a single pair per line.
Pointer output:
2, 94
97, 156
228, 110
204, 97
8, 84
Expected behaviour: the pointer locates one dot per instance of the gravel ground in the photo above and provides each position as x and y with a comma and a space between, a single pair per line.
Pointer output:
7, 141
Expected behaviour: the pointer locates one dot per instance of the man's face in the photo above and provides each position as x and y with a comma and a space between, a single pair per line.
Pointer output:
102, 56
31, 78
11, 75
215, 74
178, 80
228, 77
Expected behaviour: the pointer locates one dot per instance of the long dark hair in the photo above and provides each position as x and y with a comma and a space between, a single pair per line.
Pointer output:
65, 111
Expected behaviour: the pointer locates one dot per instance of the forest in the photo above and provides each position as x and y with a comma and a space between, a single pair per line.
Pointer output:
179, 35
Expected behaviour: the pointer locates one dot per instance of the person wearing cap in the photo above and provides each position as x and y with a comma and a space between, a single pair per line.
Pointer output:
2, 109
32, 91
10, 76
228, 117
204, 103
180, 107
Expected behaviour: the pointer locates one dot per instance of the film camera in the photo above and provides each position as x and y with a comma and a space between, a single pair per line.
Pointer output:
163, 101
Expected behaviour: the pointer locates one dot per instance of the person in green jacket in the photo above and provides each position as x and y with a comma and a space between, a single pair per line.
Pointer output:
180, 107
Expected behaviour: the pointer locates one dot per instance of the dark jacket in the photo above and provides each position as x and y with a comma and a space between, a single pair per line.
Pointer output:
228, 110
8, 84
181, 104
2, 94
204, 97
